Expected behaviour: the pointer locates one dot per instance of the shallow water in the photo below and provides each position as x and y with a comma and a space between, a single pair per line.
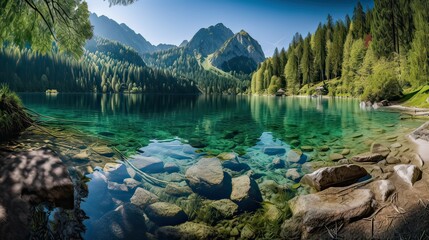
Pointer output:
182, 129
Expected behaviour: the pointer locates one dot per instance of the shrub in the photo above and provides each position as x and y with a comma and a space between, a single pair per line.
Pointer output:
13, 118
383, 83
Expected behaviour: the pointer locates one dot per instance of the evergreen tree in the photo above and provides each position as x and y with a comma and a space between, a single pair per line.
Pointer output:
291, 73
359, 23
319, 52
419, 53
306, 63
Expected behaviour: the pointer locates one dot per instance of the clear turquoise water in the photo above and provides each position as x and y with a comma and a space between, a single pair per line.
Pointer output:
180, 129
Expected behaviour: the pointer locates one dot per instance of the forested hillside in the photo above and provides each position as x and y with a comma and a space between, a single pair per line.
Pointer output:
376, 54
106, 66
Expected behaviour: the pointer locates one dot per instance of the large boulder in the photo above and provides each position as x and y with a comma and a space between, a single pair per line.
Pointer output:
104, 151
246, 193
380, 149
368, 157
147, 164
334, 176
294, 156
125, 222
408, 173
163, 213
187, 230
143, 197
207, 178
322, 208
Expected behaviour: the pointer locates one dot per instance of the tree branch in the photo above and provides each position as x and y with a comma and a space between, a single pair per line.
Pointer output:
43, 17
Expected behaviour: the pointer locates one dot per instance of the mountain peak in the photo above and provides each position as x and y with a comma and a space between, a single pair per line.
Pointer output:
208, 40
239, 53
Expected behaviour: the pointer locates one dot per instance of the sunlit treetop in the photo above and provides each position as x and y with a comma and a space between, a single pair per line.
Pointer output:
41, 23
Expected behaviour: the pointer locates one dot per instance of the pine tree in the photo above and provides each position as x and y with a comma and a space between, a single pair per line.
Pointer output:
346, 55
419, 53
306, 63
359, 24
319, 51
291, 73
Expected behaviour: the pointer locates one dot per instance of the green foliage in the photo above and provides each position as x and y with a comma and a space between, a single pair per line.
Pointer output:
419, 98
13, 118
419, 53
383, 83
40, 23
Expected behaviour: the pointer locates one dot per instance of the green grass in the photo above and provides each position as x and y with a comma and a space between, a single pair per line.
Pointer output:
416, 98
13, 118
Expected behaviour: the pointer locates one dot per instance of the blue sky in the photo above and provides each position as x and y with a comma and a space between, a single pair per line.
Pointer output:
271, 22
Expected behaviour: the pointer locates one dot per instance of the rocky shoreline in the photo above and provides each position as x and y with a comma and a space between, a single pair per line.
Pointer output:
369, 195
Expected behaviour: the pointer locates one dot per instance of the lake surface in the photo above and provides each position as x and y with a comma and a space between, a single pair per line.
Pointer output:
182, 129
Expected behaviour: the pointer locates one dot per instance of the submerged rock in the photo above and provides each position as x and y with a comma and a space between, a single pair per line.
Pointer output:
294, 156
227, 156
322, 208
380, 149
334, 176
163, 213
187, 230
274, 150
345, 152
335, 157
278, 163
207, 178
104, 151
293, 174
368, 157
246, 193
171, 167
226, 207
408, 173
143, 197
125, 222
235, 165
177, 190
147, 164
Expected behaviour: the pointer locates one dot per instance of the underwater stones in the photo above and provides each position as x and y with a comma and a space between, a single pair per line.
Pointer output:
295, 143
324, 148
357, 135
408, 173
368, 157
177, 190
143, 197
246, 193
272, 213
187, 230
226, 207
82, 156
396, 145
103, 151
131, 183
274, 150
380, 149
171, 167
322, 208
334, 176
125, 222
294, 156
108, 167
163, 213
278, 163
116, 173
227, 156
307, 148
147, 164
247, 232
345, 152
207, 178
292, 174
235, 165
335, 157
383, 189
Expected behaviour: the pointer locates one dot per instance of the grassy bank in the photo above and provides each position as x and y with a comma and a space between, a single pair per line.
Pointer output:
13, 118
